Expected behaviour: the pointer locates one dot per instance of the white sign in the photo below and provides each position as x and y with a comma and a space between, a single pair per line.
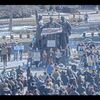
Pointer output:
51, 43
16, 48
36, 56
19, 47
47, 31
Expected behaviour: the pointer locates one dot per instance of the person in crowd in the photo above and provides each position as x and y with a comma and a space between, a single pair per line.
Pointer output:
19, 71
4, 54
6, 90
86, 17
51, 24
74, 91
15, 51
58, 55
81, 89
30, 54
44, 59
0, 52
51, 54
13, 73
50, 68
66, 31
9, 48
21, 51
36, 62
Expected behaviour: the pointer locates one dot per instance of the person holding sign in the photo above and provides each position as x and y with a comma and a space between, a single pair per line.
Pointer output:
66, 31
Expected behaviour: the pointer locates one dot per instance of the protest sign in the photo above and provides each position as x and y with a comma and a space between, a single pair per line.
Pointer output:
36, 56
47, 31
51, 43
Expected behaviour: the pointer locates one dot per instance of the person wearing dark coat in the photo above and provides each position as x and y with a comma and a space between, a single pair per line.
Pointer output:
74, 92
66, 31
81, 89
6, 90
64, 78
9, 52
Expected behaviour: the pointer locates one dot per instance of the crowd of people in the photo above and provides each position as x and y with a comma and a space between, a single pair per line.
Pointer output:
89, 55
7, 50
57, 78
57, 55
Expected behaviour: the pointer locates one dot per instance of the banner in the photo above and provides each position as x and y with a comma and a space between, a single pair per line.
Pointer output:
18, 47
47, 31
51, 43
36, 56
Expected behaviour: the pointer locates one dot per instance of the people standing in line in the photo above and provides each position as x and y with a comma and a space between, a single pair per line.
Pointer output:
28, 72
51, 24
81, 51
